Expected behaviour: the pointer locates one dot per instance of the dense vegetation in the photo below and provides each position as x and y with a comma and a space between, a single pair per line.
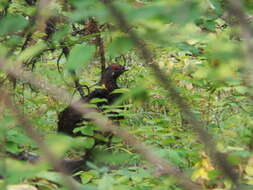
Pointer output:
203, 47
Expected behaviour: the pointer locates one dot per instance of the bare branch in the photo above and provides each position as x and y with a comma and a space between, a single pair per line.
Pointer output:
28, 128
235, 8
163, 166
43, 13
3, 145
210, 146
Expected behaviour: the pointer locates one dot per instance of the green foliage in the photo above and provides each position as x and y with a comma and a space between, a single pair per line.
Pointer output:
80, 55
191, 41
11, 24
16, 140
119, 45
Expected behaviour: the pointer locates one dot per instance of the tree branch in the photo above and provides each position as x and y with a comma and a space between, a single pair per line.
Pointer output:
28, 128
162, 165
210, 146
235, 8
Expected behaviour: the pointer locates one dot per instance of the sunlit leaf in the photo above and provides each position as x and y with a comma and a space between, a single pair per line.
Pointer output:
80, 56
12, 23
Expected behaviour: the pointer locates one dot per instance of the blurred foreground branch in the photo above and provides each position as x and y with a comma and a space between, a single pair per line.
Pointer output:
162, 165
28, 128
235, 8
218, 158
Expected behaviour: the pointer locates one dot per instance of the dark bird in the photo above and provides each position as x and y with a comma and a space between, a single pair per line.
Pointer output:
69, 119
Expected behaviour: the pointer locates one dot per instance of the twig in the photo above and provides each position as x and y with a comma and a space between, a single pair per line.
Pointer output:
197, 125
28, 128
93, 28
163, 166
2, 147
78, 86
235, 8
43, 12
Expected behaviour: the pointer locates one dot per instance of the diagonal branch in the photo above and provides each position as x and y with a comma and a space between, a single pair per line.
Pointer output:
235, 8
162, 165
43, 12
210, 146
28, 128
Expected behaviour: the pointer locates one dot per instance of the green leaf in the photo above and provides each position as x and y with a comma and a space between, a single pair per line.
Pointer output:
31, 51
51, 176
18, 137
209, 25
119, 46
89, 142
98, 100
112, 158
183, 13
13, 148
59, 144
12, 23
217, 6
106, 183
19, 171
86, 177
188, 48
120, 90
86, 130
80, 55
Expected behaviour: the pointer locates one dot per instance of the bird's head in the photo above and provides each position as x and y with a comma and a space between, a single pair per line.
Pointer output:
111, 74
113, 71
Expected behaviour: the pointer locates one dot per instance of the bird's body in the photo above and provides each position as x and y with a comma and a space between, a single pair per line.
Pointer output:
69, 119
